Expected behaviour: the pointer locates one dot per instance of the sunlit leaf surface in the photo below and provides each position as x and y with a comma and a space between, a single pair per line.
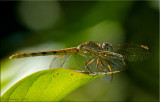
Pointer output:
47, 85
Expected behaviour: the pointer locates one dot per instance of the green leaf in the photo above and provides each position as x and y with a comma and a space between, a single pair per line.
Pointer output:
47, 85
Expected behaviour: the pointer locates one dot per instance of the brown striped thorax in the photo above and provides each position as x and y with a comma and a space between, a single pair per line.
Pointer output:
99, 56
92, 48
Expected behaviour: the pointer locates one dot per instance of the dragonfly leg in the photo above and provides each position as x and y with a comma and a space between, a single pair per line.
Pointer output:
109, 67
107, 78
87, 63
99, 61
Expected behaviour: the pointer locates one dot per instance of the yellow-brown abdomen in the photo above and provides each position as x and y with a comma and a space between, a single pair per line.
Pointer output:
45, 53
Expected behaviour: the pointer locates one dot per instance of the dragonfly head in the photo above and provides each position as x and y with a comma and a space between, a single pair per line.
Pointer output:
106, 46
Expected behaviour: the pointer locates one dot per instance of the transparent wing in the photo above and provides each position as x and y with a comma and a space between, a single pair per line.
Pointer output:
104, 62
132, 52
58, 61
107, 78
80, 61
113, 61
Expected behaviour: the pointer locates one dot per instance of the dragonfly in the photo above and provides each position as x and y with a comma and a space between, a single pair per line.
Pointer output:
99, 57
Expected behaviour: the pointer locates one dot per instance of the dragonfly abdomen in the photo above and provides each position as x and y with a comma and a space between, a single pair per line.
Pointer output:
45, 53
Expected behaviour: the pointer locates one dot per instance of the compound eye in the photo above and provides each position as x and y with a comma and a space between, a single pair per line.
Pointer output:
106, 47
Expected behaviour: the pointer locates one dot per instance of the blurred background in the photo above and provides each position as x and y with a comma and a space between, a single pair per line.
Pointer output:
48, 25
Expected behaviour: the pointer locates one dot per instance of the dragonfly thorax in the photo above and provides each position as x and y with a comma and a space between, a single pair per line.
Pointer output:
89, 48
